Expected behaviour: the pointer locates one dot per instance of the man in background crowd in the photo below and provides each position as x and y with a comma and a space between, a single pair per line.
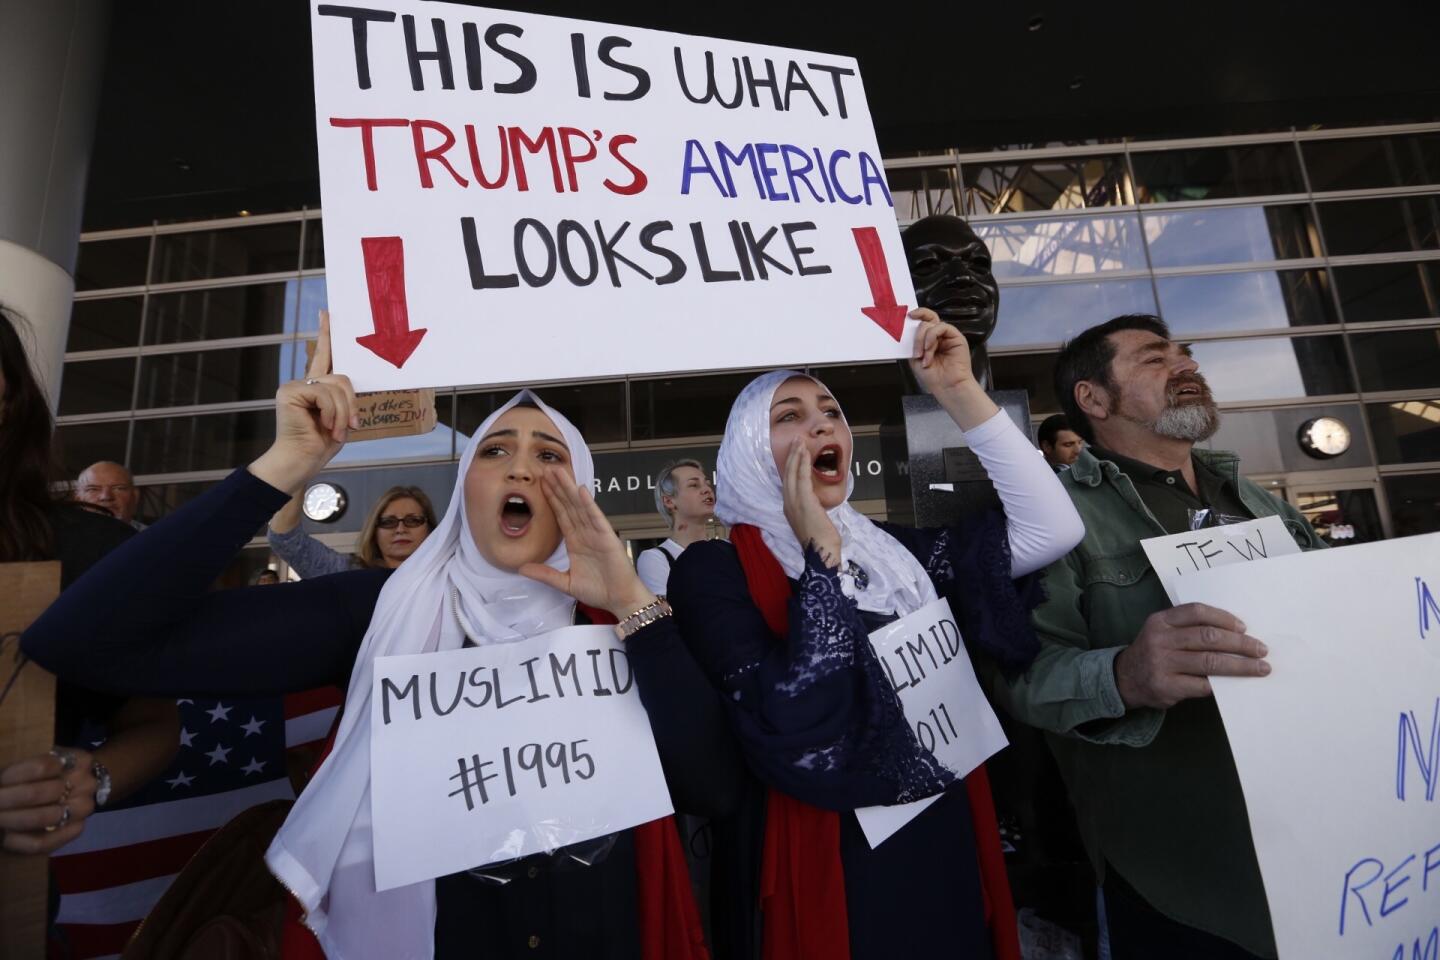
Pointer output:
685, 498
1059, 442
109, 485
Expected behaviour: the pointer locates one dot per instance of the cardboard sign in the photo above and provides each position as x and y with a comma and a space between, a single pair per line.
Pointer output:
395, 413
388, 413
1338, 749
489, 753
27, 729
1185, 554
513, 198
924, 656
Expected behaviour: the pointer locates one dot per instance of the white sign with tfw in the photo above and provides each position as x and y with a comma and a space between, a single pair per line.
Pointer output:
924, 656
489, 753
1338, 749
1185, 554
515, 198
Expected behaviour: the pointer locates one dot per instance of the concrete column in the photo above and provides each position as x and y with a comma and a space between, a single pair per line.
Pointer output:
51, 64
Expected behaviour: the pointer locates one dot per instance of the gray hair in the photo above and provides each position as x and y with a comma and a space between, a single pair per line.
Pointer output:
665, 484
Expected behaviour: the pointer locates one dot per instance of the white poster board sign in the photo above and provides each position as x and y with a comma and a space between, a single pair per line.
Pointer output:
1338, 749
512, 198
924, 656
490, 753
1185, 554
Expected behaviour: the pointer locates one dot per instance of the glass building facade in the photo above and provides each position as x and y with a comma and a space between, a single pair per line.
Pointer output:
1304, 267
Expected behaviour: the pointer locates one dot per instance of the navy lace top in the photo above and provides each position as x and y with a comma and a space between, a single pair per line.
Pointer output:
816, 718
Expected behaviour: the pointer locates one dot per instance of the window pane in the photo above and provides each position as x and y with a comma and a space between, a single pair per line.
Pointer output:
1240, 370
105, 324
1059, 183
158, 500
314, 244
211, 376
1403, 360
1372, 162
1230, 235
1031, 372
1052, 312
1342, 517
868, 393
684, 406
922, 191
249, 311
217, 441
81, 444
596, 409
1213, 173
97, 386
1047, 248
1407, 431
1268, 441
239, 251
1245, 301
103, 264
1386, 225
1414, 503
1389, 291
314, 297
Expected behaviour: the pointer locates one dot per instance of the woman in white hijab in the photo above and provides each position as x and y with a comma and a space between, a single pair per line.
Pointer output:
780, 616
521, 543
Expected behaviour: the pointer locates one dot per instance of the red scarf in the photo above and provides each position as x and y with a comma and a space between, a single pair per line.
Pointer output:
802, 880
669, 921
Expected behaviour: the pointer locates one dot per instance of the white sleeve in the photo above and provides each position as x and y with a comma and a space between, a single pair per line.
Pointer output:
1041, 519
654, 571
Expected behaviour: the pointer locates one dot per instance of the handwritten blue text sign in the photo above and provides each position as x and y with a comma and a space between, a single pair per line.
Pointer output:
1338, 749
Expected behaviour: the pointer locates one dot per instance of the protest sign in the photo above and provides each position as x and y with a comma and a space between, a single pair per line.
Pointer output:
924, 656
489, 753
510, 198
394, 413
1182, 554
27, 729
382, 413
1338, 749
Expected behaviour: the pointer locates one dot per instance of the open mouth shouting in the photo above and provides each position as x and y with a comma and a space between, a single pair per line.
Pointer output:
1189, 390
827, 466
515, 516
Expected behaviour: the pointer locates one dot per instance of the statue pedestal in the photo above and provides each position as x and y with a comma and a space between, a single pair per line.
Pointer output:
945, 478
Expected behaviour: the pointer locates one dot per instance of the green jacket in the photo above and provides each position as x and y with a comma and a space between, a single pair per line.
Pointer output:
1155, 791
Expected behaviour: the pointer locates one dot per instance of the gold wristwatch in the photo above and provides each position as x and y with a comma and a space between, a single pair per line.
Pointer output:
646, 615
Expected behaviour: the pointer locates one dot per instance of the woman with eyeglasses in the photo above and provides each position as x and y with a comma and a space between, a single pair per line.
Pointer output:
399, 522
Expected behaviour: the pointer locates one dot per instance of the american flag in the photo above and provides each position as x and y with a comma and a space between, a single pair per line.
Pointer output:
232, 756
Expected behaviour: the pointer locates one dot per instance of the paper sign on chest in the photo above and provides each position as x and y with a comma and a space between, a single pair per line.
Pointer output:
1180, 555
515, 198
486, 754
924, 656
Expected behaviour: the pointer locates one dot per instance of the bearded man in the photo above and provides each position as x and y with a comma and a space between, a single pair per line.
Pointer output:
1121, 685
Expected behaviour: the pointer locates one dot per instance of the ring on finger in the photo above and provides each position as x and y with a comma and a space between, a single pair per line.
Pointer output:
65, 795
64, 817
311, 381
66, 758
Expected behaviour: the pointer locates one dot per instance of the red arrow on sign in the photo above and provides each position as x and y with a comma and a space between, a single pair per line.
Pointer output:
887, 314
393, 341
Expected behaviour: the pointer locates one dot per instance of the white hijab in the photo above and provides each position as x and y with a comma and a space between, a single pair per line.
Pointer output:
324, 852
749, 491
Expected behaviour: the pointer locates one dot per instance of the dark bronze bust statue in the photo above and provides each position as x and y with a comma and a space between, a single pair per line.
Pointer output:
950, 268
